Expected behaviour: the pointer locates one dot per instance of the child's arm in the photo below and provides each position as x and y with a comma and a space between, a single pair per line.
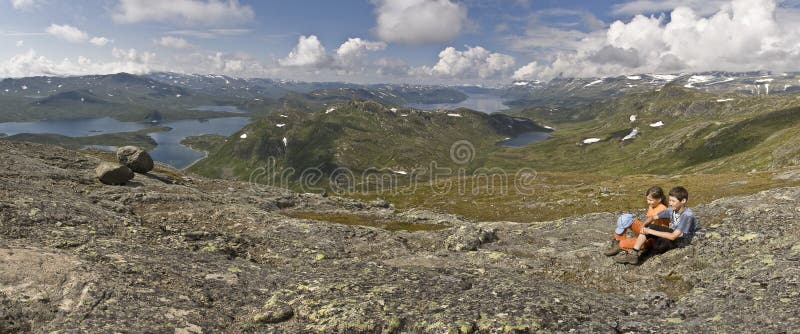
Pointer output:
660, 215
666, 235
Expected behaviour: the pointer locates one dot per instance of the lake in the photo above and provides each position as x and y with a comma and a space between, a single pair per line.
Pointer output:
171, 152
480, 102
487, 103
525, 139
169, 149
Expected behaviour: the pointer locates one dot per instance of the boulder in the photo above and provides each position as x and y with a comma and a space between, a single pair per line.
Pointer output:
274, 311
111, 173
135, 158
468, 238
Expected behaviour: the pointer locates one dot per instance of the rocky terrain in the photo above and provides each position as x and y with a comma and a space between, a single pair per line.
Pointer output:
172, 252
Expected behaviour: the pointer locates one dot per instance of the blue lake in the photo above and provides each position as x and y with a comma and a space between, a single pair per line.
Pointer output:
169, 149
480, 102
171, 152
525, 139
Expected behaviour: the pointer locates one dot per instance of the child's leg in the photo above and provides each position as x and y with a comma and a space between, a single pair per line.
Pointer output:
626, 242
640, 241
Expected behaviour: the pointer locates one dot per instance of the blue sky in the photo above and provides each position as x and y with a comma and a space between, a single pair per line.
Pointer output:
434, 41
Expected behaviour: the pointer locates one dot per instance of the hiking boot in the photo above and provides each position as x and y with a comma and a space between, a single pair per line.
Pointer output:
628, 258
614, 250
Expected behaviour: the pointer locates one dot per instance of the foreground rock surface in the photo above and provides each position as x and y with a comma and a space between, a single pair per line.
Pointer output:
210, 256
137, 159
113, 173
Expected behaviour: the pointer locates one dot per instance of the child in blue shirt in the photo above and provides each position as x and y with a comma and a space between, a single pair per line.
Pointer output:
682, 225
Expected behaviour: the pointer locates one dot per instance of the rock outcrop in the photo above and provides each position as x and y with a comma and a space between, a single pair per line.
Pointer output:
211, 256
113, 173
137, 159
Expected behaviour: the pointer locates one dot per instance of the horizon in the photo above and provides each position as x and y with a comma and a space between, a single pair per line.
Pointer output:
497, 85
369, 42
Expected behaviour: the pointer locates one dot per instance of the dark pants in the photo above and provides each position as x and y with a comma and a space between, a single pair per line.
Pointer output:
658, 244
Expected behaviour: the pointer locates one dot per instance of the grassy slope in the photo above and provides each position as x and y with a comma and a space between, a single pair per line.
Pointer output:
700, 134
357, 135
206, 142
711, 148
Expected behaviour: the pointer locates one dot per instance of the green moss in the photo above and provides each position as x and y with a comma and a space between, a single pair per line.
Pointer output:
673, 278
210, 248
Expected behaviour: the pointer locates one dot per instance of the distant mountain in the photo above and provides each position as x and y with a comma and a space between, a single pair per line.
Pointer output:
123, 96
70, 97
395, 94
578, 92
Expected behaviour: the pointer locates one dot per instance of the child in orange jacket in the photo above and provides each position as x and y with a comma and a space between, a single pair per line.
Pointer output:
656, 203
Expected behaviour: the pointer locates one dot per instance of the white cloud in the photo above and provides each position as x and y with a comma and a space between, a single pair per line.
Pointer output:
99, 41
23, 4
351, 53
474, 62
309, 52
68, 33
419, 21
20, 43
188, 12
30, 64
702, 7
531, 70
131, 55
744, 35
231, 63
173, 42
391, 67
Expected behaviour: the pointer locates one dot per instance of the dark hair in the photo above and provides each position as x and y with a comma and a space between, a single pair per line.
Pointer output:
680, 193
657, 192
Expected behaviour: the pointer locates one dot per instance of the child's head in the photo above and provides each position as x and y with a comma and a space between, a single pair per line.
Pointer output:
655, 195
678, 197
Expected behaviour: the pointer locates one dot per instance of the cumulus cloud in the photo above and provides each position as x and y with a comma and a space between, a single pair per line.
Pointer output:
530, 70
419, 21
68, 33
309, 52
23, 4
473, 62
229, 63
99, 41
173, 42
131, 55
188, 12
351, 53
30, 64
743, 35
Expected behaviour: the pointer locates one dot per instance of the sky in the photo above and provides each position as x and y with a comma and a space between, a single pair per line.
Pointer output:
484, 42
